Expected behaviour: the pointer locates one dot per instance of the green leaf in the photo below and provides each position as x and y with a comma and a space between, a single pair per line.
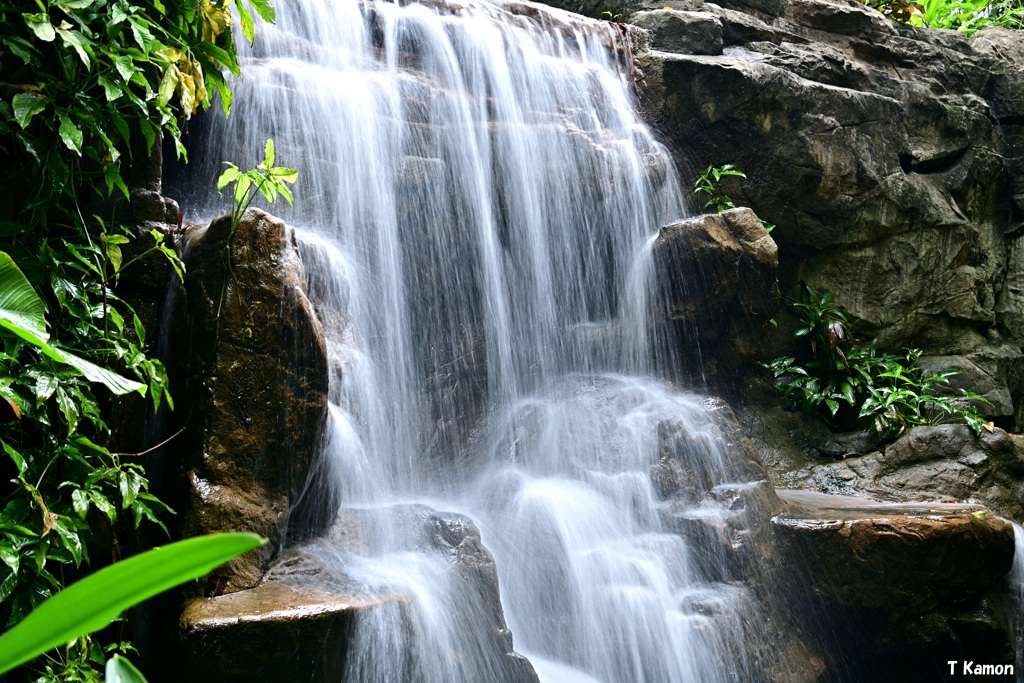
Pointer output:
245, 16
265, 10
80, 501
268, 153
14, 455
92, 603
120, 670
288, 175
125, 66
69, 409
70, 133
227, 176
41, 26
26, 105
21, 310
80, 43
111, 380
111, 89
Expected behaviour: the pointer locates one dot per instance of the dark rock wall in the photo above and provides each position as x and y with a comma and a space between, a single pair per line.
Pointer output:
891, 159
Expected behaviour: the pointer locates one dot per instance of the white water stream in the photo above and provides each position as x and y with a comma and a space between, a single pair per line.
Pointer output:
475, 202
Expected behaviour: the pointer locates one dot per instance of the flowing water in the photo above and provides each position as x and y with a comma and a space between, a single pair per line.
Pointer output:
476, 203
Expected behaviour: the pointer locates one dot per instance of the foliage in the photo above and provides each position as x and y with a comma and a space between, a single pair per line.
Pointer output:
93, 602
705, 184
966, 16
266, 178
887, 391
87, 88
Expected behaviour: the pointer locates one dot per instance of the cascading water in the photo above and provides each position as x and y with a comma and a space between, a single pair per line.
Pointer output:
476, 200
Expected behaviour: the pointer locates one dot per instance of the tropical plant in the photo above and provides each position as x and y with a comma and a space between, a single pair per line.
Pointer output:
966, 16
95, 601
87, 89
706, 184
265, 179
883, 391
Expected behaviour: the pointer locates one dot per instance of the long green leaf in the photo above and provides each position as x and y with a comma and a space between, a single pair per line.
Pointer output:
92, 603
20, 306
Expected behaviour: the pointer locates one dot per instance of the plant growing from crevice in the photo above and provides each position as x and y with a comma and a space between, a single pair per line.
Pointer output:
706, 184
854, 386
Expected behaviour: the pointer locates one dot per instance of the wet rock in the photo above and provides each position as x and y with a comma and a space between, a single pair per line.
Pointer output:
945, 462
717, 284
694, 33
914, 577
877, 151
255, 359
275, 631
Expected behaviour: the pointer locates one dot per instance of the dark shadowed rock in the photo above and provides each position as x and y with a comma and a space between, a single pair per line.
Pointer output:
273, 632
914, 577
877, 150
256, 361
716, 283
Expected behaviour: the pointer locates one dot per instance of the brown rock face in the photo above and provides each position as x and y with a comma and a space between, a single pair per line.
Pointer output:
257, 375
914, 577
717, 284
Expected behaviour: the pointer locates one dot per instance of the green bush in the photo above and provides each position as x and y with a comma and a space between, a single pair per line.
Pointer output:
87, 89
855, 386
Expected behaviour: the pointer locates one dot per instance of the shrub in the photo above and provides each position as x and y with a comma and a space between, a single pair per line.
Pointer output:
856, 386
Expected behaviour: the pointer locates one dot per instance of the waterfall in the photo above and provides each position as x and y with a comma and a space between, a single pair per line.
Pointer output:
476, 204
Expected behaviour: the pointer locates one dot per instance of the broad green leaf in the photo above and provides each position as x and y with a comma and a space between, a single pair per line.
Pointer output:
227, 176
41, 26
92, 603
111, 380
265, 10
80, 501
288, 175
111, 89
120, 670
26, 105
70, 133
14, 455
21, 310
80, 43
125, 66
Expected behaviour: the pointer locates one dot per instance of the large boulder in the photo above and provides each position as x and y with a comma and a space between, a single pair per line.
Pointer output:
717, 287
250, 345
313, 620
914, 577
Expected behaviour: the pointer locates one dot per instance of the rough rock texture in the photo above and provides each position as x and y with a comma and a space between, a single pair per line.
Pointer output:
891, 159
257, 384
946, 462
283, 628
914, 577
717, 284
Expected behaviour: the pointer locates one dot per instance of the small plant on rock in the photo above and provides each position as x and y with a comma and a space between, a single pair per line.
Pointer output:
706, 184
267, 179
